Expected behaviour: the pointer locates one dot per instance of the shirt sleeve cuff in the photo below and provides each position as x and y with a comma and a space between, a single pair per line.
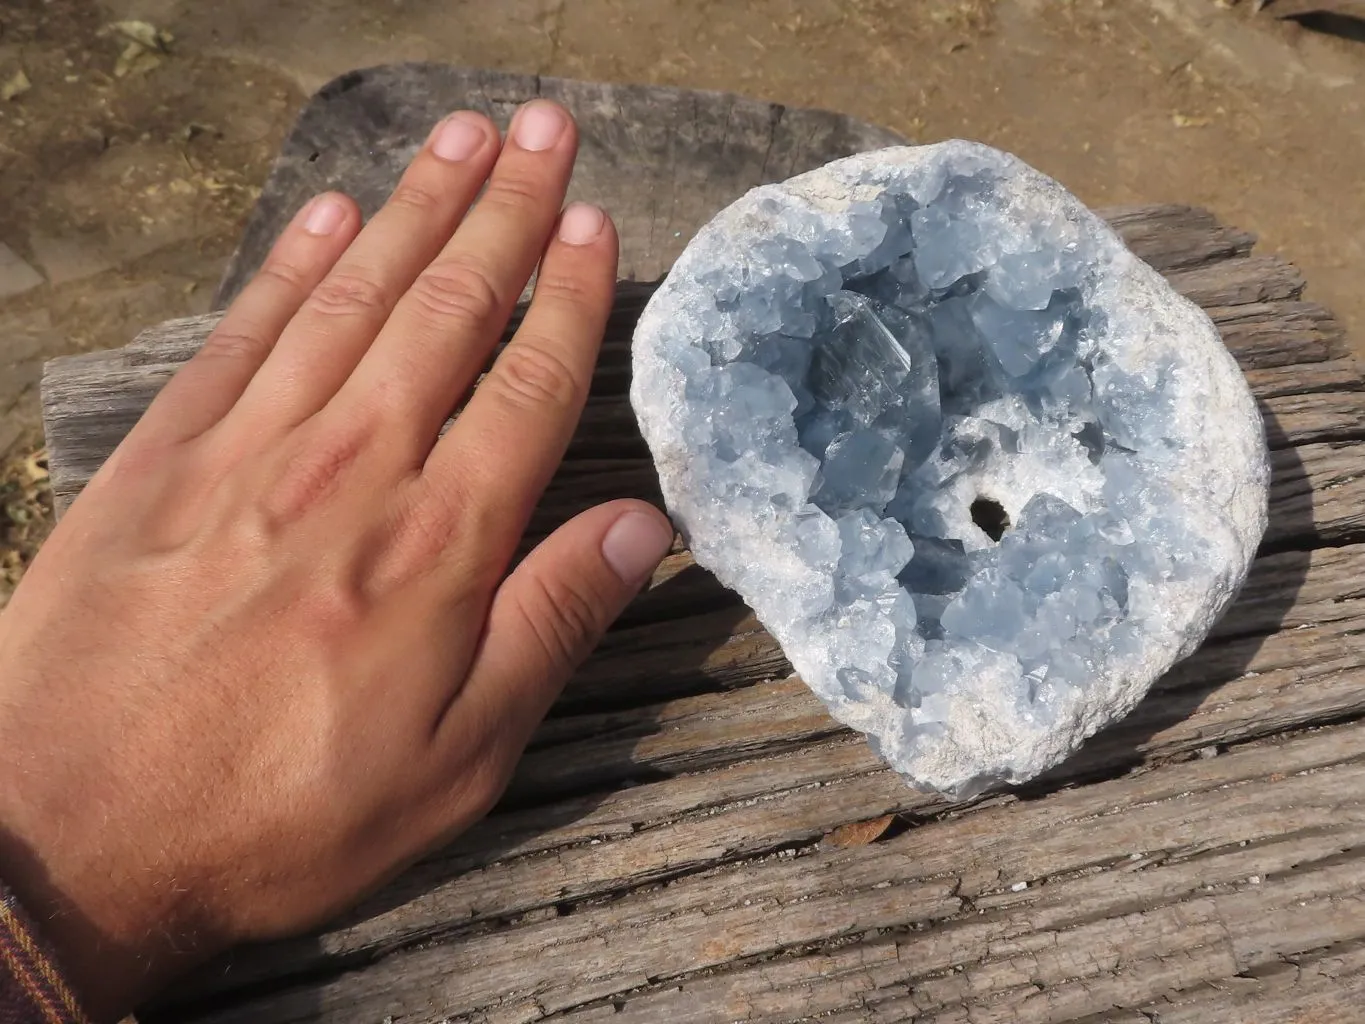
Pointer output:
32, 990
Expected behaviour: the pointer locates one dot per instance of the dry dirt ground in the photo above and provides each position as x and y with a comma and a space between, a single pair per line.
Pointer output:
126, 170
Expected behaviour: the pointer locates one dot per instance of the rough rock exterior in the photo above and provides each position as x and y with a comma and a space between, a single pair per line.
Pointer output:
981, 471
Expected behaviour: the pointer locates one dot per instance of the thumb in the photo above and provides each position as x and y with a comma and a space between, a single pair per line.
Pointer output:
551, 612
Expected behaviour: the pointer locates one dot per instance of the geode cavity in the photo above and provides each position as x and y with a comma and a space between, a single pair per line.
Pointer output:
981, 472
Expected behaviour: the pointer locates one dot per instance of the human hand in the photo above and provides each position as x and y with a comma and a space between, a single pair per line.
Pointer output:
269, 656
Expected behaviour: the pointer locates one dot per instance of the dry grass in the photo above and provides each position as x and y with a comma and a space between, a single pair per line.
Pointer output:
25, 515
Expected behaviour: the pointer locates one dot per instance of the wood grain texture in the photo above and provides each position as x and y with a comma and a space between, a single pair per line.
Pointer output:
665, 850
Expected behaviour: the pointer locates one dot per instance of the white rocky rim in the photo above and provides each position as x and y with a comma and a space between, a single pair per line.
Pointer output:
1221, 477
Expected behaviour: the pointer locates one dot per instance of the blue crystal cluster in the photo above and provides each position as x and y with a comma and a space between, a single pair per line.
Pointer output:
920, 398
929, 376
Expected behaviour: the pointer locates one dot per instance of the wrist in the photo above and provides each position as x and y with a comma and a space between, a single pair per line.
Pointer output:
108, 948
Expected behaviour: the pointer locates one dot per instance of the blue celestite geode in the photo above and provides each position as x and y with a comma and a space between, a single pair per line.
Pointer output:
981, 472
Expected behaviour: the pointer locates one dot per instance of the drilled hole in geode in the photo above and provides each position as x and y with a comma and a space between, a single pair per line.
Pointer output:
991, 517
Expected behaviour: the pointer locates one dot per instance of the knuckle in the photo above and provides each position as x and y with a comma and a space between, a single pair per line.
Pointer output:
334, 607
417, 198
282, 272
422, 523
236, 345
348, 295
529, 374
430, 527
516, 191
459, 289
313, 473
567, 290
565, 615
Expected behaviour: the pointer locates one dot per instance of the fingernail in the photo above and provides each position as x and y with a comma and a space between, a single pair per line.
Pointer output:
634, 545
457, 138
538, 125
325, 214
580, 223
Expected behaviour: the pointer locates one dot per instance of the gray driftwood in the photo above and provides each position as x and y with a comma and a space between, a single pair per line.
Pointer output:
671, 849
662, 160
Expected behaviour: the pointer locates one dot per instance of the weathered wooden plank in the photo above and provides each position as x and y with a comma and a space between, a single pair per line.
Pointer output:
1268, 334
1241, 853
1217, 696
1322, 987
770, 771
1239, 281
1314, 417
1176, 237
1316, 492
811, 789
830, 982
1334, 375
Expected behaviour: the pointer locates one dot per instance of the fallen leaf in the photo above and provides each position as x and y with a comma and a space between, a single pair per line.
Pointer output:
35, 466
1185, 121
136, 59
859, 833
194, 129
144, 33
15, 86
146, 46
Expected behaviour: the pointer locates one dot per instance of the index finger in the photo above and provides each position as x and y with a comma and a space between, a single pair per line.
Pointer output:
497, 458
